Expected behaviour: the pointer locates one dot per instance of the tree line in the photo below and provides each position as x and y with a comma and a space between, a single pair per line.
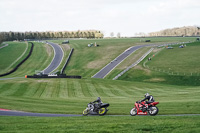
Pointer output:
180, 31
10, 36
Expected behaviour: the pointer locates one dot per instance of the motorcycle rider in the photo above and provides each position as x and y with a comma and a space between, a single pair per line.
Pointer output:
97, 103
150, 100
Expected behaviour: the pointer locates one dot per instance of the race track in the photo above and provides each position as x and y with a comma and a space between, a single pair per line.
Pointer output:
110, 66
5, 112
58, 56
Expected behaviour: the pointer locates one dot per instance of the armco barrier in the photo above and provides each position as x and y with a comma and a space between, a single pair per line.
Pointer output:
56, 76
70, 54
14, 69
134, 64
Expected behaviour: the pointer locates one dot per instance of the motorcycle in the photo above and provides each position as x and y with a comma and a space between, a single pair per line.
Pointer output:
150, 109
95, 109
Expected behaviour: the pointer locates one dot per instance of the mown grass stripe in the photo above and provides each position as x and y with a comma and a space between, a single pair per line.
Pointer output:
5, 87
99, 89
48, 91
77, 88
114, 90
56, 89
21, 89
120, 90
40, 89
85, 89
70, 88
106, 90
92, 89
12, 89
32, 88
128, 90
63, 89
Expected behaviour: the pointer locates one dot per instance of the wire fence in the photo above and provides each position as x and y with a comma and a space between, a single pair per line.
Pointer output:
157, 69
171, 72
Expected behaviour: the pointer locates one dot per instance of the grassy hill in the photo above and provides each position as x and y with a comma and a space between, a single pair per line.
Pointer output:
178, 66
86, 61
39, 60
12, 55
70, 96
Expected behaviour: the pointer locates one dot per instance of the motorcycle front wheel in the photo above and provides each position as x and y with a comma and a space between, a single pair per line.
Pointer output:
133, 112
102, 111
153, 110
85, 112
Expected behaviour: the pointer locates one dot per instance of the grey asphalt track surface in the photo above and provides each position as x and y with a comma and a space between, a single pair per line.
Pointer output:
109, 67
19, 113
11, 78
58, 56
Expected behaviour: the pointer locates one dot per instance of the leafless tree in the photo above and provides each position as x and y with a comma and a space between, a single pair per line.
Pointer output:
118, 35
112, 34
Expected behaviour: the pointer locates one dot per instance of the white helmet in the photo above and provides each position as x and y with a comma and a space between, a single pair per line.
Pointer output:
146, 95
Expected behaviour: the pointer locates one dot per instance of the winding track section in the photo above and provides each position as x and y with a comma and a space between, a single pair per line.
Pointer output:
110, 66
58, 56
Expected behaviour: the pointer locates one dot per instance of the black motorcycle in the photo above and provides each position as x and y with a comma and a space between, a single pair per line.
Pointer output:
96, 109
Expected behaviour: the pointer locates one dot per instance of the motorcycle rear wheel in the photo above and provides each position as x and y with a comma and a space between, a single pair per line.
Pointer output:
102, 111
85, 112
153, 111
133, 112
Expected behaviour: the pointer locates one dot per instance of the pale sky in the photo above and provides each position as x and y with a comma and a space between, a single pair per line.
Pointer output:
125, 16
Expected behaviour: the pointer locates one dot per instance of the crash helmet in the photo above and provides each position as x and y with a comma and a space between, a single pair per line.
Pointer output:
146, 95
99, 98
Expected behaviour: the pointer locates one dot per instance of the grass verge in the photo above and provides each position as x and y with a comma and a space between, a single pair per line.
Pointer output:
108, 124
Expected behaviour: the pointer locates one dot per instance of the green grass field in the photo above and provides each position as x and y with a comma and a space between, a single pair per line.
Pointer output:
177, 94
39, 60
108, 124
72, 95
10, 55
86, 61
178, 60
178, 66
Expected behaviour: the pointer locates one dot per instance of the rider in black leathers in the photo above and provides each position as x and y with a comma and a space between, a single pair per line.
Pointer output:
149, 98
97, 103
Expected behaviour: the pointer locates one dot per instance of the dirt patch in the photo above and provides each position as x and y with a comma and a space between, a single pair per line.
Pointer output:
49, 49
23, 81
155, 80
42, 81
65, 47
156, 50
147, 71
95, 64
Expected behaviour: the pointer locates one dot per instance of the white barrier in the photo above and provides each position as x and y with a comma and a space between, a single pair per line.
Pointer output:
134, 64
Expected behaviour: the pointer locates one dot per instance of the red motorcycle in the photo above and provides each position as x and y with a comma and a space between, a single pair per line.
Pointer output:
143, 109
